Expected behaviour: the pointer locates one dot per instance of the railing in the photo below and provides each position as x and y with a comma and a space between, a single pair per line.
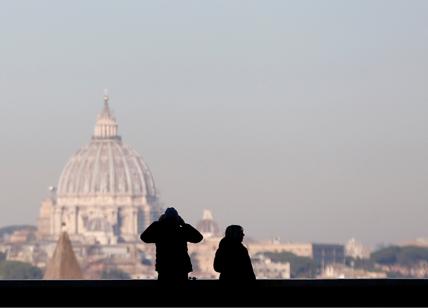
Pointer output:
343, 292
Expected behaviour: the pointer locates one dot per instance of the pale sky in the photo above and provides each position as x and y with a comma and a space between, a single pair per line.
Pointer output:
305, 120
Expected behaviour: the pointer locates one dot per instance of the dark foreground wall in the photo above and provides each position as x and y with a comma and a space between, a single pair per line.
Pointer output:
199, 293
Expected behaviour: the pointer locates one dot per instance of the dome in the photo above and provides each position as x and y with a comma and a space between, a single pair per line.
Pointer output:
106, 166
207, 226
105, 194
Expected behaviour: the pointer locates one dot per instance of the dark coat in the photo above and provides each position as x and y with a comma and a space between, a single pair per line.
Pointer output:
232, 261
171, 245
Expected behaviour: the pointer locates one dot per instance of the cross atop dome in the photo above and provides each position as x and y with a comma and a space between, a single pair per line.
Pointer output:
106, 97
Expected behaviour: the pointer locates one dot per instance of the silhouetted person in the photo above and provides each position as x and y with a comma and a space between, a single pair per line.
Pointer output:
171, 234
231, 258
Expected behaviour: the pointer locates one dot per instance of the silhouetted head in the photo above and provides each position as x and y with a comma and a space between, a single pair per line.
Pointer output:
170, 215
234, 233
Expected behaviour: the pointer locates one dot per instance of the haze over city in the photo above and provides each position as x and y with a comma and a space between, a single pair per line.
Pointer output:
304, 120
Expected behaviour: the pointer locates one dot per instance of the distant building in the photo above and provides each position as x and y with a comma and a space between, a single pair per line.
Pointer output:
207, 226
326, 254
19, 252
338, 271
106, 193
299, 249
322, 254
21, 236
356, 250
203, 253
264, 268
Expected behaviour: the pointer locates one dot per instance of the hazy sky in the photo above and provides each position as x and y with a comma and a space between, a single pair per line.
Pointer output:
300, 119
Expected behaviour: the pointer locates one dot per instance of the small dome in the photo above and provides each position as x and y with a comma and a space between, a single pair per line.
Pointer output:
207, 226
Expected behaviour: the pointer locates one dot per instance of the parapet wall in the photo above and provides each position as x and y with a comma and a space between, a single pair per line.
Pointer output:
200, 293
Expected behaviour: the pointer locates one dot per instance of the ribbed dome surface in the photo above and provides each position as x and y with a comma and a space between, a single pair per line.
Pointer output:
106, 167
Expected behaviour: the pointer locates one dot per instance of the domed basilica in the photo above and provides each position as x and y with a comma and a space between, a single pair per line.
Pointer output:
105, 194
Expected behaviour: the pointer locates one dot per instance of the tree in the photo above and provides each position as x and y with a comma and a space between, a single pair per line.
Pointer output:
2, 256
410, 255
406, 255
386, 255
19, 270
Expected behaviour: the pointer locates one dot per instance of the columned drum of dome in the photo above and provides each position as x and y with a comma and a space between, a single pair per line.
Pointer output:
106, 193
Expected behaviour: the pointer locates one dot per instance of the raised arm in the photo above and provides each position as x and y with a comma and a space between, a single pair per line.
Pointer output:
192, 235
151, 234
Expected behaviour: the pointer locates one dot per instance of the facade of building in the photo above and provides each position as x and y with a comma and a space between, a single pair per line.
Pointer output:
106, 193
326, 254
356, 250
340, 271
264, 268
299, 249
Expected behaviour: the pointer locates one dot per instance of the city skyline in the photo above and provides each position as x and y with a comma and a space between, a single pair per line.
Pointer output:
270, 115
